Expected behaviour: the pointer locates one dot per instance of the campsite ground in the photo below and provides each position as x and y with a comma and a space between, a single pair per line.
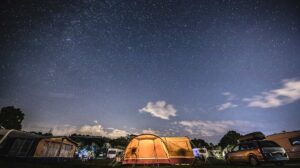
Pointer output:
106, 163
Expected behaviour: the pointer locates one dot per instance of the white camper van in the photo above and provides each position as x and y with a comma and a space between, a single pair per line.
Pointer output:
113, 152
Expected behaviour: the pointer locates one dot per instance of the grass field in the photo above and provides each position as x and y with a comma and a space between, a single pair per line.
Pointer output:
107, 163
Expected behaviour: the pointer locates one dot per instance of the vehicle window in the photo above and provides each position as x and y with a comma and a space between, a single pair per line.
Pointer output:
295, 141
236, 148
111, 152
268, 144
244, 147
251, 146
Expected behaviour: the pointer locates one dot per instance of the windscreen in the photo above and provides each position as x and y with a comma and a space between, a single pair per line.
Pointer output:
111, 152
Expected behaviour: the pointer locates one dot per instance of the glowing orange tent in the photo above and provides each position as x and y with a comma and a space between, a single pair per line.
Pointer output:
152, 149
179, 149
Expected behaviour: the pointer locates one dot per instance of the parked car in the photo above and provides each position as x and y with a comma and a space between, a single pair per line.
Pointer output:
201, 153
215, 154
255, 152
113, 152
101, 155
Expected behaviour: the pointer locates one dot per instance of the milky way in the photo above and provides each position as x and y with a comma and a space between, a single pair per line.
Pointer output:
137, 66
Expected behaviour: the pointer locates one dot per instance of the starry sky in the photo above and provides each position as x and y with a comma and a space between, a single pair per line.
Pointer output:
194, 68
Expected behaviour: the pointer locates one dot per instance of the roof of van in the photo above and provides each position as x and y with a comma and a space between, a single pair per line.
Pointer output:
115, 149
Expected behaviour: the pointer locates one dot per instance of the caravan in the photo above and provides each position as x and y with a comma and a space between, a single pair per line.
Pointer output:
290, 141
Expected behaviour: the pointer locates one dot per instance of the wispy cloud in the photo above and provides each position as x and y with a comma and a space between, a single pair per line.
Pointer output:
159, 109
94, 130
216, 128
117, 133
230, 96
226, 105
150, 131
288, 93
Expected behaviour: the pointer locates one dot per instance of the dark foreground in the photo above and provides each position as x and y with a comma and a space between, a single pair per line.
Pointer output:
106, 163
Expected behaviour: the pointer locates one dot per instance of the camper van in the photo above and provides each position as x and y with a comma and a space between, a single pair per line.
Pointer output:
113, 153
290, 141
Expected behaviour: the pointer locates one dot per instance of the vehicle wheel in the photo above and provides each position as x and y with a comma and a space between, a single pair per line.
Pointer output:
253, 161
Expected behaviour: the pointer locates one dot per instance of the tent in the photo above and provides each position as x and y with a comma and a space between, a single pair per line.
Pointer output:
152, 149
14, 143
59, 147
146, 149
179, 149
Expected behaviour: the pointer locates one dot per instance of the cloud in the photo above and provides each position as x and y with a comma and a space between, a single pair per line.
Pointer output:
202, 128
93, 130
230, 96
288, 93
150, 131
117, 133
64, 130
160, 109
225, 106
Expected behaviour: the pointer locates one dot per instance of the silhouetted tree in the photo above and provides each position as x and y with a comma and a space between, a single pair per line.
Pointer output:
43, 134
89, 140
199, 143
11, 118
230, 138
119, 142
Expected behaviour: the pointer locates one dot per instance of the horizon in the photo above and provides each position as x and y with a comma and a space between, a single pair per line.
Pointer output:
171, 68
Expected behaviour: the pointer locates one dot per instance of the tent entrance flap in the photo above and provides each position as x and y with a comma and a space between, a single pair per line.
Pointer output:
146, 149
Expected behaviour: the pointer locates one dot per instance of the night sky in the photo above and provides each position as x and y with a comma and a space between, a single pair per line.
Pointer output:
192, 68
